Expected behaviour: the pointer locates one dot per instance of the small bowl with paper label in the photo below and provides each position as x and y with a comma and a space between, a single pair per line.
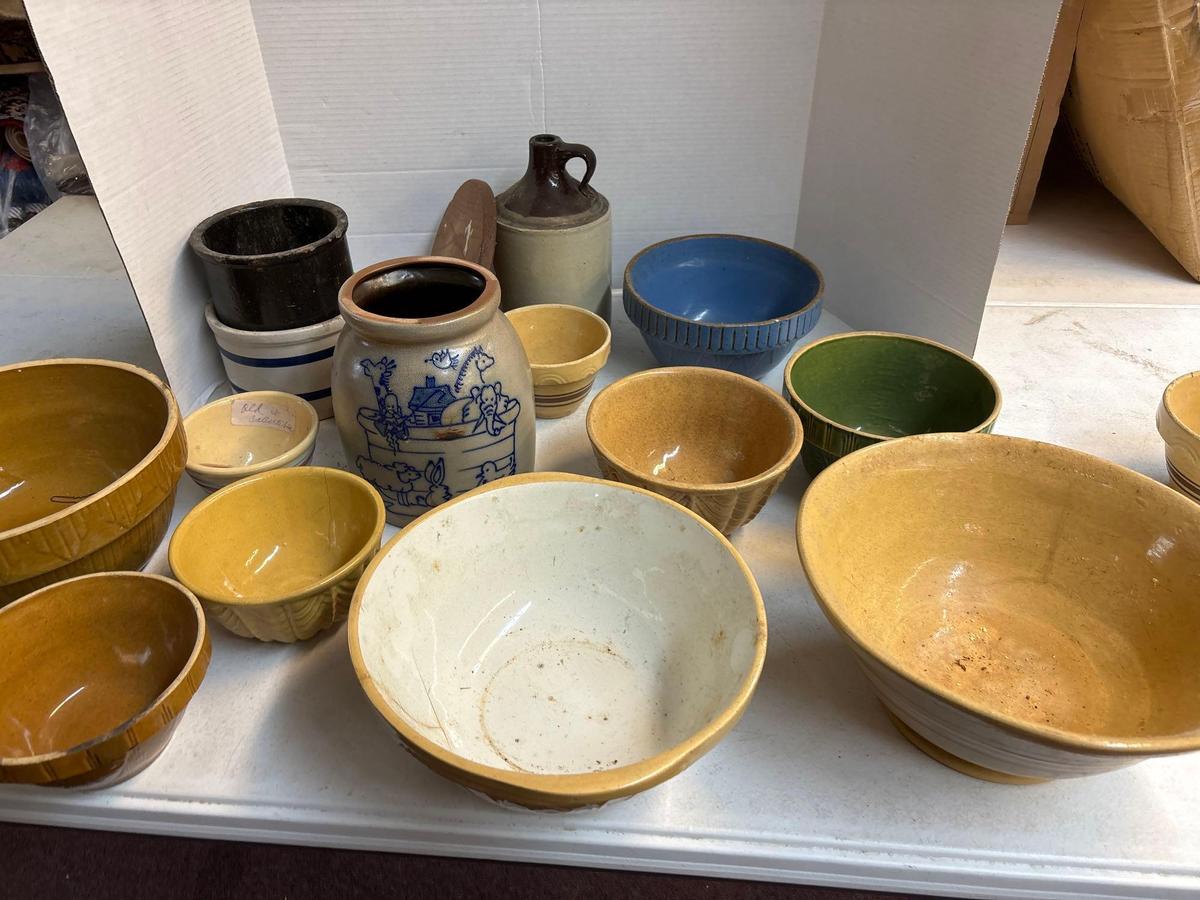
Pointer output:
242, 435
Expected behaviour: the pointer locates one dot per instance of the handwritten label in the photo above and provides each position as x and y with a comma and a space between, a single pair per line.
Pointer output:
257, 412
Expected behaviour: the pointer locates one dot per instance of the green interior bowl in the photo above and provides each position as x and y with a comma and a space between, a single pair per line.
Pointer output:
853, 390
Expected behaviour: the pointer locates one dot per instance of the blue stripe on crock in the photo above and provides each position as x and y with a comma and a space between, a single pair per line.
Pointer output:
278, 362
304, 395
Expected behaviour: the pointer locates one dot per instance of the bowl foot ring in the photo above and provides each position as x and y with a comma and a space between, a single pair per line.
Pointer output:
956, 762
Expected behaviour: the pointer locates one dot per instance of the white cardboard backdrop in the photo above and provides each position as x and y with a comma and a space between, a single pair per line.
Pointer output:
903, 121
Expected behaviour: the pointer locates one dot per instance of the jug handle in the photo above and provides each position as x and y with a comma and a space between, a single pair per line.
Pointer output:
578, 151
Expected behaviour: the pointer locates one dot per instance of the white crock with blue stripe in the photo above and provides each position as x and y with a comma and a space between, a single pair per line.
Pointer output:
297, 360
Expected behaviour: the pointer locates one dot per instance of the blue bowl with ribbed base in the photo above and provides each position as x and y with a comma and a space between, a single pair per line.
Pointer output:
722, 300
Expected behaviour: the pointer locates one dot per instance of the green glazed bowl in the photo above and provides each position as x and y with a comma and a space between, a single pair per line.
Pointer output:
857, 389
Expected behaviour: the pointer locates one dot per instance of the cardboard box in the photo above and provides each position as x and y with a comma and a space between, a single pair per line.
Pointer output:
1132, 103
883, 138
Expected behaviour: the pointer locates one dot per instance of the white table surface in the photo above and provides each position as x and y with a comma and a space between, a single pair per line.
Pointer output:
814, 785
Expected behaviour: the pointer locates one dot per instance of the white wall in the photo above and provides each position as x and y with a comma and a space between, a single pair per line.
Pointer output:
912, 158
698, 111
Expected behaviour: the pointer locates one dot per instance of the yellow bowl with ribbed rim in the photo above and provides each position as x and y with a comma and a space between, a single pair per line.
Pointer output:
276, 556
1178, 422
95, 673
91, 452
717, 442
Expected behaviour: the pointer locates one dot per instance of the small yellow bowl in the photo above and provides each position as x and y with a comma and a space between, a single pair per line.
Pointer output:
276, 556
95, 673
567, 347
1179, 424
717, 442
242, 435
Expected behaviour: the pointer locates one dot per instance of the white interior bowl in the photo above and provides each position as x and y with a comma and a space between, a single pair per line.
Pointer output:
558, 641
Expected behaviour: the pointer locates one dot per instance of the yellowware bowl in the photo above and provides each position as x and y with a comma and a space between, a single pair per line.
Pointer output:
257, 431
1179, 424
558, 641
1025, 612
90, 454
566, 347
276, 556
95, 673
717, 442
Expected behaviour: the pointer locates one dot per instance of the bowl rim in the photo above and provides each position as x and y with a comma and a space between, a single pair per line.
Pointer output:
912, 338
630, 290
177, 694
183, 531
1116, 745
778, 468
231, 473
170, 428
196, 238
1169, 409
598, 356
578, 789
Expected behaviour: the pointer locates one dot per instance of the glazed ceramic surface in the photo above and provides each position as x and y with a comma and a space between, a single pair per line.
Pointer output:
717, 442
1026, 611
857, 389
1179, 424
245, 434
95, 673
296, 361
276, 556
596, 640
432, 390
90, 454
554, 234
274, 265
566, 347
722, 300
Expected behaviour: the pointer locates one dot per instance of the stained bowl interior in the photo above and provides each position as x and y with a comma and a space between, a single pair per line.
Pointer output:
274, 535
724, 279
692, 426
247, 430
1035, 583
892, 385
69, 430
553, 335
532, 628
83, 658
269, 228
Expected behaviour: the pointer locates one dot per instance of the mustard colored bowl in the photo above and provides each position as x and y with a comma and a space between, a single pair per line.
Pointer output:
1179, 425
90, 454
95, 673
1025, 612
717, 442
276, 556
242, 435
567, 346
557, 641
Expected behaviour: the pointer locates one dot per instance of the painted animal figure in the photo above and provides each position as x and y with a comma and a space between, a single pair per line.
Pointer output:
482, 362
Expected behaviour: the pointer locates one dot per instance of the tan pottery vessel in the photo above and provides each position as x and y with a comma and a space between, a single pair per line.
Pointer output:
90, 455
276, 556
567, 347
1025, 612
717, 442
1179, 424
95, 673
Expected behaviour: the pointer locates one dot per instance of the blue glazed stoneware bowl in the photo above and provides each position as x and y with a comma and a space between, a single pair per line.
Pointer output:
722, 301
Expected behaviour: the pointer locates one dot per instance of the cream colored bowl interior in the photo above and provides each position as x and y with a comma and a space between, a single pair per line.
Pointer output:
245, 431
556, 334
1042, 586
558, 627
